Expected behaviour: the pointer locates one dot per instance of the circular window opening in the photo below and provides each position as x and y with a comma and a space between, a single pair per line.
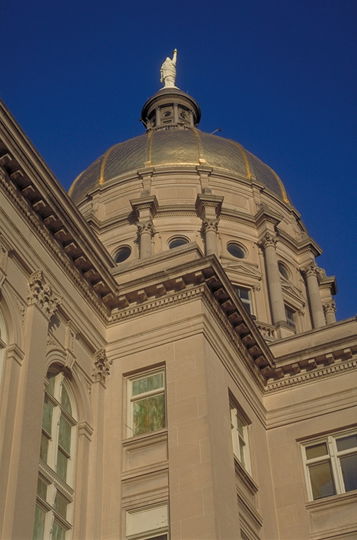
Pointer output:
123, 253
283, 270
236, 250
178, 241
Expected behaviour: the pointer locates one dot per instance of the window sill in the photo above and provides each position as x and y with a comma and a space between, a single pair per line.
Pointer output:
146, 437
245, 477
333, 501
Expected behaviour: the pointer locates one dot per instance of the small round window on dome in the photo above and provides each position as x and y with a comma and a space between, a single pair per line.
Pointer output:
122, 254
283, 270
236, 250
177, 241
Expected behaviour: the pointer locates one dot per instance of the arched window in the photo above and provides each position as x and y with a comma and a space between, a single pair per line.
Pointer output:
178, 241
55, 481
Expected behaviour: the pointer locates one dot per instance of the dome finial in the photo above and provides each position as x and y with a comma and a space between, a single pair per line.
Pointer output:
168, 71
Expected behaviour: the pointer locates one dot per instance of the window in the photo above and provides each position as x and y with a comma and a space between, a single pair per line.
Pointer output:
239, 430
331, 465
283, 269
246, 297
236, 250
290, 314
146, 408
177, 241
122, 254
54, 494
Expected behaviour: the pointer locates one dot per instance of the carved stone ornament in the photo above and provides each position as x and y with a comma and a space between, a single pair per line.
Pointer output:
268, 240
330, 307
146, 227
41, 294
210, 225
102, 365
311, 270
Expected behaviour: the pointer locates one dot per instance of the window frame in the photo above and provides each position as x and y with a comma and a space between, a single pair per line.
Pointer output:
291, 321
48, 474
332, 457
245, 302
130, 399
241, 452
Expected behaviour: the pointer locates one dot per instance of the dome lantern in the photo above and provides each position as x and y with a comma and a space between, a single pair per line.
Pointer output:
170, 107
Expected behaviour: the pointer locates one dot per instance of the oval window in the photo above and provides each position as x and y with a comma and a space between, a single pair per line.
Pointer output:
283, 270
177, 241
236, 250
122, 254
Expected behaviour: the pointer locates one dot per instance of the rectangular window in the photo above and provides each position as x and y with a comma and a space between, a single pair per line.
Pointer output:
239, 430
245, 295
148, 523
331, 465
290, 314
146, 405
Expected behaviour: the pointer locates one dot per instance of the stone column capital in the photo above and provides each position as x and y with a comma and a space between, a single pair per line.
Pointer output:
210, 225
311, 270
268, 240
208, 206
41, 294
329, 307
145, 206
102, 364
146, 227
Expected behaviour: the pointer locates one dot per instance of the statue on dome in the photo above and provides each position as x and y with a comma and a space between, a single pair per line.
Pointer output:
168, 71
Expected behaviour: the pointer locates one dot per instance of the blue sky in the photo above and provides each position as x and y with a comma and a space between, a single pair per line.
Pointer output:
277, 76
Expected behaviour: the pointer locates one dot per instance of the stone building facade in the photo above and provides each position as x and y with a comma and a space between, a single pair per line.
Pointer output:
171, 366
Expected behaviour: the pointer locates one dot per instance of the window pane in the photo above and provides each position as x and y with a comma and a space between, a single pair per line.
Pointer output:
42, 489
62, 462
241, 451
316, 450
44, 447
65, 434
51, 383
349, 471
39, 525
47, 415
146, 384
149, 414
58, 532
346, 442
321, 480
61, 504
65, 402
243, 293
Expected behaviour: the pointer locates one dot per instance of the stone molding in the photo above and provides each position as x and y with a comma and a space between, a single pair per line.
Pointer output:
102, 364
41, 294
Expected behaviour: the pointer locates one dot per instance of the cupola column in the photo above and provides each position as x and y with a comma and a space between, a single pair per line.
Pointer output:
313, 291
330, 312
268, 244
145, 209
208, 208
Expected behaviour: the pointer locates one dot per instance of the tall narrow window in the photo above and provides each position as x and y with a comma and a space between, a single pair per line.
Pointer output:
245, 295
331, 465
239, 431
146, 407
290, 314
54, 487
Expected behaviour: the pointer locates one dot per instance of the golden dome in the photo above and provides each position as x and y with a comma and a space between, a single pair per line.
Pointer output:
171, 140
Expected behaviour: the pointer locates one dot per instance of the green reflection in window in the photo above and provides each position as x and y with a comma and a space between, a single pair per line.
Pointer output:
61, 504
39, 525
65, 402
349, 471
345, 443
47, 415
58, 532
65, 434
316, 450
147, 384
62, 462
44, 447
148, 414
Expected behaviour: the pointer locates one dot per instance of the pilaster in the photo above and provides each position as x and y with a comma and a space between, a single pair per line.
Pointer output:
208, 208
145, 209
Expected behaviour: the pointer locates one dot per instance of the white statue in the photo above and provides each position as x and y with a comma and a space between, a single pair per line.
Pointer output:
168, 71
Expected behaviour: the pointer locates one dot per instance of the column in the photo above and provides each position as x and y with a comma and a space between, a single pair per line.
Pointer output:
313, 292
145, 209
208, 208
273, 277
330, 312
